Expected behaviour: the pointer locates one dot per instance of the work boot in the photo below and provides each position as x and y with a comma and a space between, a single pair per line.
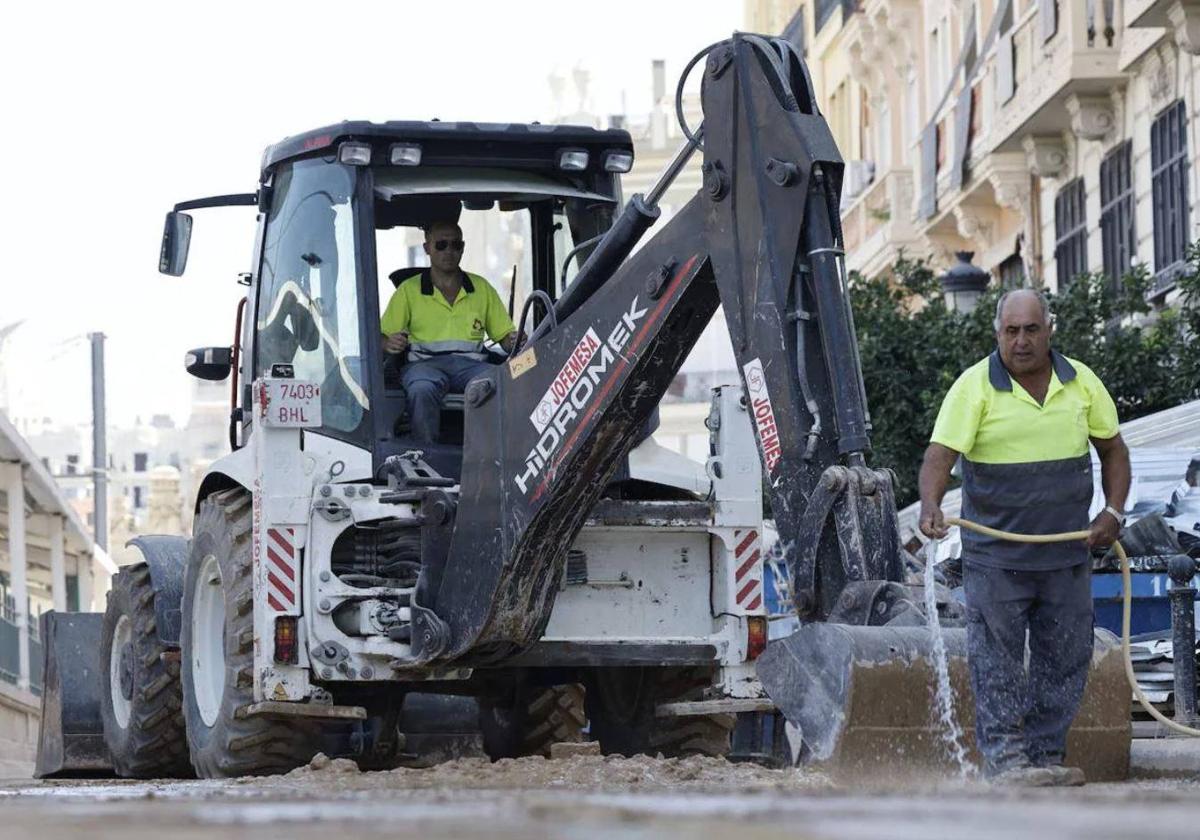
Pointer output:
1065, 776
1025, 776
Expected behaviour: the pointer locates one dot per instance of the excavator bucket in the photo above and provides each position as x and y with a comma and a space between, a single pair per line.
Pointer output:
71, 742
863, 699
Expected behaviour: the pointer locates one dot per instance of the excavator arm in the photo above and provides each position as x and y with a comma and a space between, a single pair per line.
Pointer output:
545, 433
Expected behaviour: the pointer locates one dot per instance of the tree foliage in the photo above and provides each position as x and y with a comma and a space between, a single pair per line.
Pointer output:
913, 348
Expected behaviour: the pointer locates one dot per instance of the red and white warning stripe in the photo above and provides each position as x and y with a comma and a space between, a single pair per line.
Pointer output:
282, 578
747, 563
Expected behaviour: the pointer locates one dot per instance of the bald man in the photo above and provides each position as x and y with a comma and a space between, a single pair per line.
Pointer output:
439, 317
1021, 421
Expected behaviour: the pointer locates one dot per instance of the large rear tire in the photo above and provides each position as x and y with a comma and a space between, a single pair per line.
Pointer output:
621, 705
141, 701
217, 641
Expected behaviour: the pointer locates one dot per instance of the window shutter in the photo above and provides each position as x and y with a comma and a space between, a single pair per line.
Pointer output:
1048, 12
962, 131
928, 203
1006, 80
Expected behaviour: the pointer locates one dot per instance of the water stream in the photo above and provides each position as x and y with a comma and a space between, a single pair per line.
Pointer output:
952, 733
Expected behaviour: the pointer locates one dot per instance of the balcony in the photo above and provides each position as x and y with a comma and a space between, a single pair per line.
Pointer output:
1055, 71
878, 222
1181, 17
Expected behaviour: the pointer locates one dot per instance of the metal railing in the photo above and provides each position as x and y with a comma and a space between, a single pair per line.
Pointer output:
10, 649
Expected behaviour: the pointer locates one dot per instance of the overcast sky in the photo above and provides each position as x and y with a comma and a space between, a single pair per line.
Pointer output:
115, 111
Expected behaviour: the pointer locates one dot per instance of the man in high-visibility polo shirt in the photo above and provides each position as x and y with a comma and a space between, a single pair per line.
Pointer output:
1021, 420
439, 316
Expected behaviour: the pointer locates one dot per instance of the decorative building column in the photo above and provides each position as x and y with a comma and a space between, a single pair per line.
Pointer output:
58, 566
1184, 16
14, 490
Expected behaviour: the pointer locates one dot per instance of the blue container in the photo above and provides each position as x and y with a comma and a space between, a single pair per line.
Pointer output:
1150, 611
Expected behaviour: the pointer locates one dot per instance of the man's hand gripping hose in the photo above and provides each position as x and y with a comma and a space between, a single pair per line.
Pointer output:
1070, 536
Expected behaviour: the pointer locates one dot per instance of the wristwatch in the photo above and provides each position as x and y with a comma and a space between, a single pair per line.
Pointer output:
1116, 514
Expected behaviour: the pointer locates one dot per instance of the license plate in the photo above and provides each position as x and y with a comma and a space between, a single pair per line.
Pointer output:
290, 403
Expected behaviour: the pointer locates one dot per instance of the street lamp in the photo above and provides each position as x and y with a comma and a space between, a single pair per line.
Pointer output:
964, 283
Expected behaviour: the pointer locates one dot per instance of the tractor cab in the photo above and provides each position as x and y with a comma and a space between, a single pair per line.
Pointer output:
341, 216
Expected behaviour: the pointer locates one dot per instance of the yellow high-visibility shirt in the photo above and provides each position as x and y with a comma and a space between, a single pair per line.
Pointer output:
988, 417
436, 325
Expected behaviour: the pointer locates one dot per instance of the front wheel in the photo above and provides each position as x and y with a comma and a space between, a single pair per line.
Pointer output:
217, 653
140, 700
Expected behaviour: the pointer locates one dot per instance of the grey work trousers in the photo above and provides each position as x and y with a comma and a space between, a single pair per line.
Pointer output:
425, 384
1022, 718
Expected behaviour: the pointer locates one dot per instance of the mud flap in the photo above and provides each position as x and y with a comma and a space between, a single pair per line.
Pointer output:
863, 698
71, 741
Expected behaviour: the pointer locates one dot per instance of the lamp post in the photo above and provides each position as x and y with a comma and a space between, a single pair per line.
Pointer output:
964, 283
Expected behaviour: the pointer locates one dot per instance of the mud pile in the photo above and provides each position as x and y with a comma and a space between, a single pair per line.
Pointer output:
580, 772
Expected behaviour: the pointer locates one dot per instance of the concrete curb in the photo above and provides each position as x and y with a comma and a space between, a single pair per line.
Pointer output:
1157, 758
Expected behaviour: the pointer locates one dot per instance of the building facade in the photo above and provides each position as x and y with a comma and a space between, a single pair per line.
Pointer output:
1049, 137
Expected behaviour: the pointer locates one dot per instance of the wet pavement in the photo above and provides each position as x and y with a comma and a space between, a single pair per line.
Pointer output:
589, 797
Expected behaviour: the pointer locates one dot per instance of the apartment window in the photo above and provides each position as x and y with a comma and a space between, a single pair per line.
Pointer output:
140, 460
1168, 178
1116, 211
794, 31
823, 10
1012, 272
1070, 232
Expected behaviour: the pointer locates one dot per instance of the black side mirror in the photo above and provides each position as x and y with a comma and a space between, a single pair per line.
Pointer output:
177, 235
212, 363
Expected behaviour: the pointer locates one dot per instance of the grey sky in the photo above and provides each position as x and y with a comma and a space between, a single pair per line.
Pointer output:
117, 110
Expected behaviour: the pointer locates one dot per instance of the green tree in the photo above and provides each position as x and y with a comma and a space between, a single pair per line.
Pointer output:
913, 348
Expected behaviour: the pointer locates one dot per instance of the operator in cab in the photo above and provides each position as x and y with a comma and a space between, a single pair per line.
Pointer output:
439, 316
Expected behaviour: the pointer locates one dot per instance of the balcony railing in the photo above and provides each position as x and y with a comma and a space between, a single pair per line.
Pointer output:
1055, 49
10, 649
879, 217
1053, 70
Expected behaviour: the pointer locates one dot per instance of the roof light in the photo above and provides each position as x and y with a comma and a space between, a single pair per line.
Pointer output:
618, 161
573, 159
355, 154
405, 154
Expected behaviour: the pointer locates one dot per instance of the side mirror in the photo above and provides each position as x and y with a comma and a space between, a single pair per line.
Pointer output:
212, 363
177, 235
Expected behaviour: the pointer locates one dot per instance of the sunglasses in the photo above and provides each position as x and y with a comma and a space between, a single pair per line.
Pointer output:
453, 244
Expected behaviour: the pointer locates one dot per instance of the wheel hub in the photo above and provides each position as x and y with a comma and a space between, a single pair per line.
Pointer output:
120, 671
208, 641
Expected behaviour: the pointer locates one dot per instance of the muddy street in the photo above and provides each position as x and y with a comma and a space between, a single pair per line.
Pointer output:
587, 797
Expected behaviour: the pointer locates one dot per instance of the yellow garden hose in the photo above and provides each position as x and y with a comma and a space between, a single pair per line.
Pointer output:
1126, 609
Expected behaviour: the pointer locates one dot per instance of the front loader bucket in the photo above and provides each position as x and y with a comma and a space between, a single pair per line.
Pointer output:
71, 742
863, 698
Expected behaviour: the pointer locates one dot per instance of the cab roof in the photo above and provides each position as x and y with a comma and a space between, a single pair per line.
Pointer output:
520, 145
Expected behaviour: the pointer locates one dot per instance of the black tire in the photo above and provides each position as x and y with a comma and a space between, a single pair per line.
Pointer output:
621, 704
151, 743
553, 715
533, 720
229, 746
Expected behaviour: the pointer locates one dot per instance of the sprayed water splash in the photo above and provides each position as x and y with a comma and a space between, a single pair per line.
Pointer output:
951, 731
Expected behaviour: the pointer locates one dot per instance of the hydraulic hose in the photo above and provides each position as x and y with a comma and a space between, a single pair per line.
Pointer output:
1126, 608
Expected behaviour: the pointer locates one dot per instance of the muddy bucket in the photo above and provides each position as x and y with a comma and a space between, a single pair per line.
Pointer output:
863, 698
71, 741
